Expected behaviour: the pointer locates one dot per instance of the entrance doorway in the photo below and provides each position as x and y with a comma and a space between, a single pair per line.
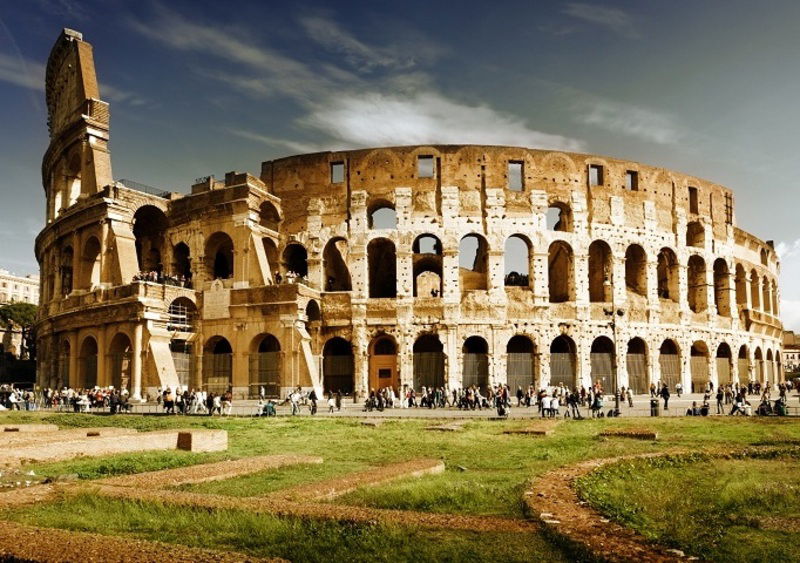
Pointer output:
383, 364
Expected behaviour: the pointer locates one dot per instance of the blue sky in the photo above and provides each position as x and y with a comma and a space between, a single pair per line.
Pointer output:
196, 88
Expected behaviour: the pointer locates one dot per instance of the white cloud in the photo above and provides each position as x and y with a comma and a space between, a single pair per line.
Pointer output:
372, 119
276, 142
635, 121
21, 72
403, 107
614, 19
790, 314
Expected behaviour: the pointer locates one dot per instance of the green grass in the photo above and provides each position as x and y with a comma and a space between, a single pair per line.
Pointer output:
717, 509
291, 538
486, 473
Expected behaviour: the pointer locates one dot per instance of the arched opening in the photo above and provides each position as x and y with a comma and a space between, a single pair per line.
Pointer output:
382, 268
473, 261
271, 253
741, 288
382, 215
560, 272
334, 260
758, 366
295, 261
604, 364
695, 234
722, 288
764, 257
559, 217
600, 272
149, 226
383, 363
699, 366
182, 263
337, 366
219, 256
268, 216
636, 361
743, 364
724, 362
636, 270
427, 260
182, 315
475, 370
184, 360
775, 301
428, 362
667, 272
87, 363
769, 375
217, 365
63, 377
90, 264
563, 362
766, 300
669, 363
67, 258
520, 363
696, 278
265, 366
755, 289
119, 361
518, 261
313, 314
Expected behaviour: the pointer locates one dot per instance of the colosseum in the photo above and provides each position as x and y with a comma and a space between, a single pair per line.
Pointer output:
404, 266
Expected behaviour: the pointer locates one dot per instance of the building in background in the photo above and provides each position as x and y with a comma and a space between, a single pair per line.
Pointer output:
16, 289
791, 351
436, 266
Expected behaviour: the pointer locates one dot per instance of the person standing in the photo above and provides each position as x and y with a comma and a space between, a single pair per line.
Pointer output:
720, 398
312, 397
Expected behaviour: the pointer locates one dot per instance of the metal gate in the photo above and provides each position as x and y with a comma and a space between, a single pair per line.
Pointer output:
337, 374
217, 372
475, 371
637, 373
744, 370
562, 370
520, 370
89, 372
603, 370
428, 370
670, 365
265, 371
184, 368
699, 365
723, 371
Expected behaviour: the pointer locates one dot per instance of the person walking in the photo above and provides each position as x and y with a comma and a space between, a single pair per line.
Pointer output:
665, 395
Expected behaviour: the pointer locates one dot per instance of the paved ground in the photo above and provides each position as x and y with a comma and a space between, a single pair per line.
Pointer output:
641, 407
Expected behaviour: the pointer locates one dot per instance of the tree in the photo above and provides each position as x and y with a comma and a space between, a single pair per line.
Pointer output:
20, 316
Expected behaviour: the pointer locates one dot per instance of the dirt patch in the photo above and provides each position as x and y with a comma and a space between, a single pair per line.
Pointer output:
27, 543
455, 426
635, 433
206, 472
339, 486
779, 524
28, 428
542, 428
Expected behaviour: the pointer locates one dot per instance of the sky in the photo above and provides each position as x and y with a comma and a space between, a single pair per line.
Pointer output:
708, 88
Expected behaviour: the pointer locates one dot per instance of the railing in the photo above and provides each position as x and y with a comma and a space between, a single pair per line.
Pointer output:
144, 188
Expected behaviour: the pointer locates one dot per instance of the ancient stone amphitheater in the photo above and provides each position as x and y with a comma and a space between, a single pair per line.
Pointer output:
405, 266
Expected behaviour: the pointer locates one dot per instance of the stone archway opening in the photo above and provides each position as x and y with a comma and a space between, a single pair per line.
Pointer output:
669, 362
473, 261
119, 361
636, 361
266, 361
560, 273
219, 256
475, 367
338, 372
563, 362
520, 363
87, 364
382, 259
429, 362
383, 370
724, 361
604, 364
334, 259
699, 366
217, 365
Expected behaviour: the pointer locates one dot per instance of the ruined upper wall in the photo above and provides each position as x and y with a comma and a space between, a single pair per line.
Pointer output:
474, 168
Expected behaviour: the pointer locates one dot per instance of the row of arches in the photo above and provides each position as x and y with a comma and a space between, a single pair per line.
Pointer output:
522, 363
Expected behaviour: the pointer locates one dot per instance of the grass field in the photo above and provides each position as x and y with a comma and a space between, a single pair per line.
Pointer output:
486, 474
717, 509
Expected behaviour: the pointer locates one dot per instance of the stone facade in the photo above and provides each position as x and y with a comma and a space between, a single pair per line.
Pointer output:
391, 267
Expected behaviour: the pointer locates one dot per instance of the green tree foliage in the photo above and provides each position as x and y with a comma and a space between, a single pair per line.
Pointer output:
20, 316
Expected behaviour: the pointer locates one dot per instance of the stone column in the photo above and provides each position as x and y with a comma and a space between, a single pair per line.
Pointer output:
136, 363
72, 379
101, 356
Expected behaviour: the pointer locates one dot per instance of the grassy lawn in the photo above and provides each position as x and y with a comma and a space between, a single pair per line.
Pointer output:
716, 509
486, 474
